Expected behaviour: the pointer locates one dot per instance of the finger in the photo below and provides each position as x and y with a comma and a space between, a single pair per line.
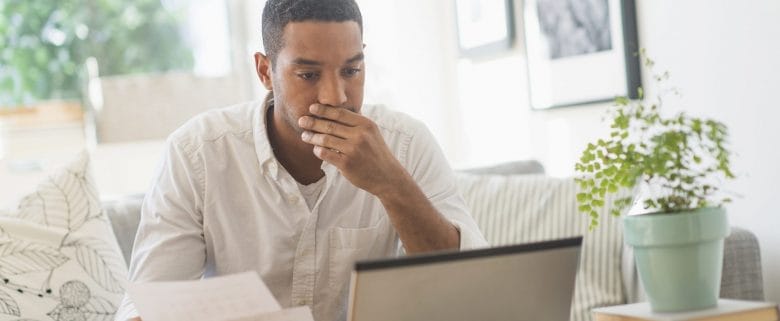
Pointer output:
324, 126
327, 141
328, 155
338, 114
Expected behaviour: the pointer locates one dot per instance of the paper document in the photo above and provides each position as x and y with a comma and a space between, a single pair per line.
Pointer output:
292, 314
228, 298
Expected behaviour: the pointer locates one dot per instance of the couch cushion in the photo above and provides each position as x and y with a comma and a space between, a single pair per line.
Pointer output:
58, 256
529, 208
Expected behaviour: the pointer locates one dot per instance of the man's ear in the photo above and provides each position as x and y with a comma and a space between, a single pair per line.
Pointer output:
263, 68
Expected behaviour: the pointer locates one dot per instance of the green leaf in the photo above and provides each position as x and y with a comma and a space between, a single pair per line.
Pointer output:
647, 147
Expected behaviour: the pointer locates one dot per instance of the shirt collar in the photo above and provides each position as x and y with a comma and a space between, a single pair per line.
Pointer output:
265, 155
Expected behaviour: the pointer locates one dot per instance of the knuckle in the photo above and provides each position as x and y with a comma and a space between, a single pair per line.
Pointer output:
363, 145
326, 140
316, 138
363, 137
329, 128
338, 113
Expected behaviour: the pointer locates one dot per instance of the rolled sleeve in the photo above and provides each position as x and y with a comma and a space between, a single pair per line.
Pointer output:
470, 238
433, 174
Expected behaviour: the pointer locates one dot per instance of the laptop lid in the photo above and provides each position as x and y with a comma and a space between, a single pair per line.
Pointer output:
519, 282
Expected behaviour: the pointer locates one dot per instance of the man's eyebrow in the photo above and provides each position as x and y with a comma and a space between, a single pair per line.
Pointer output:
308, 62
354, 59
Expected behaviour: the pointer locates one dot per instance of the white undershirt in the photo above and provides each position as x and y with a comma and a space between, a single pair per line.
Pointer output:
312, 192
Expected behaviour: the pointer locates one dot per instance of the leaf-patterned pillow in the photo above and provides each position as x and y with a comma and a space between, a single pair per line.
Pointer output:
59, 259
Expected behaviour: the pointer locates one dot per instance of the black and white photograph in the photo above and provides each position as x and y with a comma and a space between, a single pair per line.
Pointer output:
574, 28
572, 42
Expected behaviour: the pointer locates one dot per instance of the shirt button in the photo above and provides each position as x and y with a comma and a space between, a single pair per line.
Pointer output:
272, 167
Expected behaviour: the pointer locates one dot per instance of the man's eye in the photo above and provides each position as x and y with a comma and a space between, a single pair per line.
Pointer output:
307, 75
351, 71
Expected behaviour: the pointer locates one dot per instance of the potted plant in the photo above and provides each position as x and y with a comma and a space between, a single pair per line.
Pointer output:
678, 162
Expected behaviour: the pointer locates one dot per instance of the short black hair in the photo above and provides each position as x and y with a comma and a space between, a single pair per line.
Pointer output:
278, 13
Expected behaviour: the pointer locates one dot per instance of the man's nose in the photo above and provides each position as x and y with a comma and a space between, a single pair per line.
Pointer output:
332, 91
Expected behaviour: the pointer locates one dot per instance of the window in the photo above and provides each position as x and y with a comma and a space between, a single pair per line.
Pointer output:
46, 43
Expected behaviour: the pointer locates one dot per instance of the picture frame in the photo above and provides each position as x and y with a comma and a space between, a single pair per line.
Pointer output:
581, 52
485, 27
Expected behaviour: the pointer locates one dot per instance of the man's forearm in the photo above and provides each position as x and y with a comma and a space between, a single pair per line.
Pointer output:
419, 225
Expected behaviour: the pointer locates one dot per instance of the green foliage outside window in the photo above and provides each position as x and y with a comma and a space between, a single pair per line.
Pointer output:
44, 44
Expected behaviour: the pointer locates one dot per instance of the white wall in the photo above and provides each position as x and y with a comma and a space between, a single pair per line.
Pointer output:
408, 67
724, 55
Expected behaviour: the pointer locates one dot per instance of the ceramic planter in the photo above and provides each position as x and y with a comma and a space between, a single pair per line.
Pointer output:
679, 257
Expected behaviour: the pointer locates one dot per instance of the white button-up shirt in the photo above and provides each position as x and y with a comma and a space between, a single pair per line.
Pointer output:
221, 203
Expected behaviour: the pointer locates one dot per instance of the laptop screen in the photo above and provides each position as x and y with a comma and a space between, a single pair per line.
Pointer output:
519, 282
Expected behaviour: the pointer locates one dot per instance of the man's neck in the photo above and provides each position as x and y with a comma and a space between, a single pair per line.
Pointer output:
292, 153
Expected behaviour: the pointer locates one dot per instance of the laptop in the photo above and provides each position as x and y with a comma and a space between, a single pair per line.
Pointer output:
519, 282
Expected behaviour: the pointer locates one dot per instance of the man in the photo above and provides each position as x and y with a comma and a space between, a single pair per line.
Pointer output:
301, 185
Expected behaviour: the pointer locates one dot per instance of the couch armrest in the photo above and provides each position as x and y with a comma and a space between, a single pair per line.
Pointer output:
741, 277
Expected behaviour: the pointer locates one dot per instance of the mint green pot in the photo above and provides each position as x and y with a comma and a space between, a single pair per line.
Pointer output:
679, 256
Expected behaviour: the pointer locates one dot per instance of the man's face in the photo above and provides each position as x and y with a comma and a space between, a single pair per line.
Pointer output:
319, 63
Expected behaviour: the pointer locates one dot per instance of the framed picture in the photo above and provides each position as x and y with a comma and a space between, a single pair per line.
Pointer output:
581, 51
484, 26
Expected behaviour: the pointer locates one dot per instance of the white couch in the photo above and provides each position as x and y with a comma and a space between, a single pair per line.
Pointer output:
516, 203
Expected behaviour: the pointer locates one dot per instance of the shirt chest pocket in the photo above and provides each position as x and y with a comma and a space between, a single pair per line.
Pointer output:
348, 245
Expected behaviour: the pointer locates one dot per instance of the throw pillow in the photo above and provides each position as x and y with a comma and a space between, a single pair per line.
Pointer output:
59, 259
518, 209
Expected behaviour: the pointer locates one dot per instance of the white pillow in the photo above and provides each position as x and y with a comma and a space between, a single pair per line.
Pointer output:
59, 259
516, 209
